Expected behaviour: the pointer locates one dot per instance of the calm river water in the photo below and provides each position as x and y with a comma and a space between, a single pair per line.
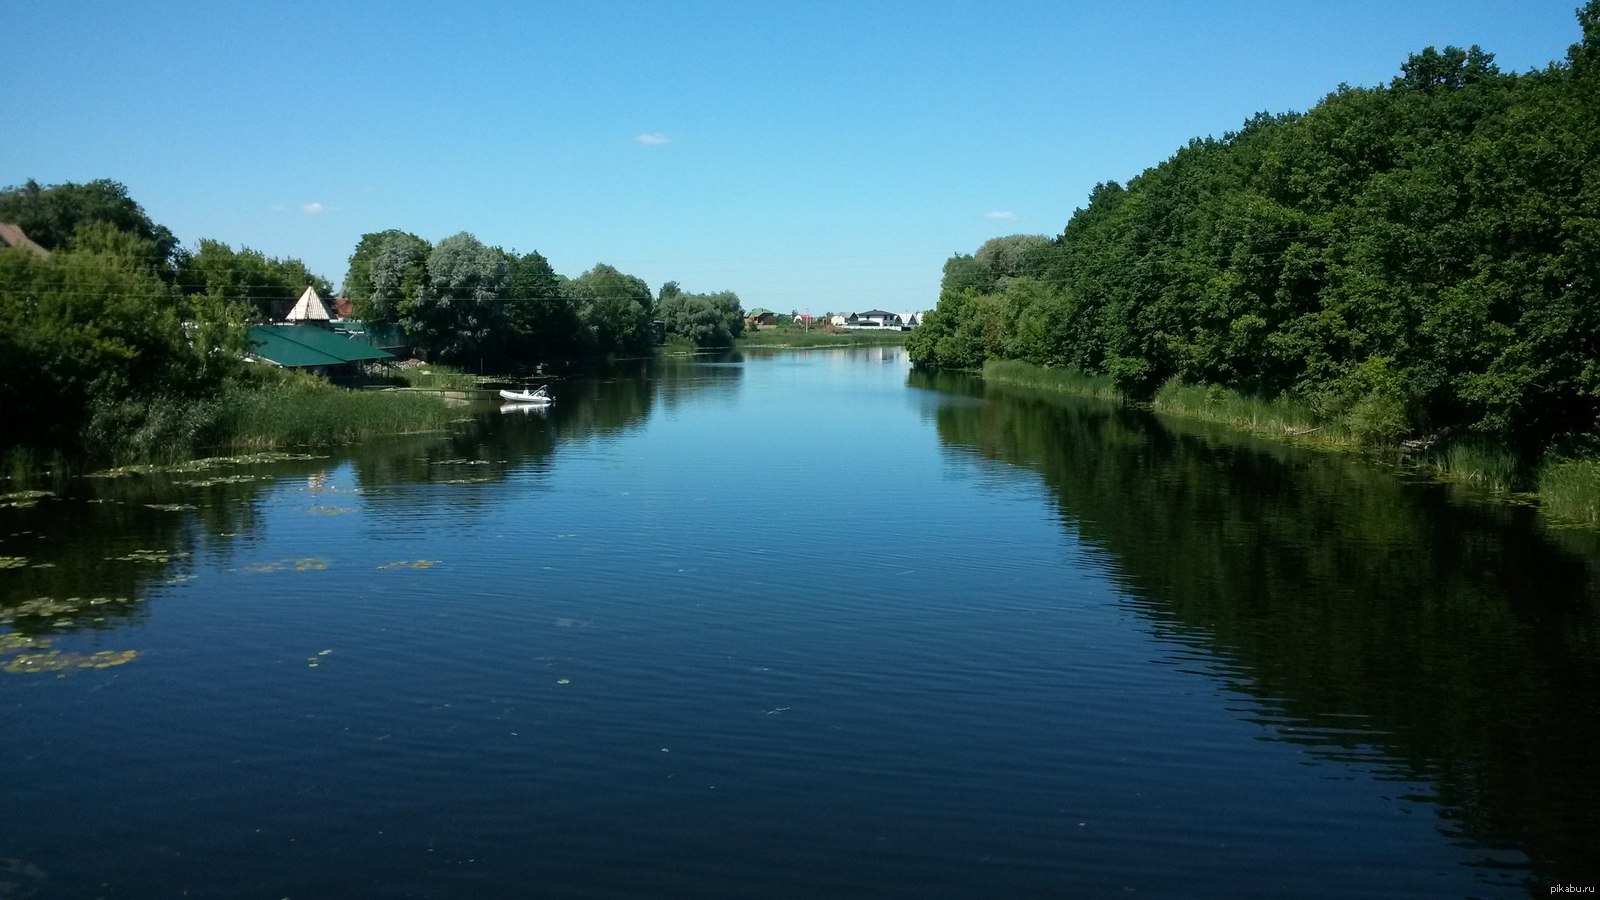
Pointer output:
799, 625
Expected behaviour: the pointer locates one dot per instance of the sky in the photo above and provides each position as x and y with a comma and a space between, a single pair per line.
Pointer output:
821, 157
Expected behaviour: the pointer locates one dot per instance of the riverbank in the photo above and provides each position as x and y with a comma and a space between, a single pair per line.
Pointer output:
800, 338
1565, 487
268, 410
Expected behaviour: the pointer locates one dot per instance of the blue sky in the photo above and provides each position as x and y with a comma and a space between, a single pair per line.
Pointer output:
810, 156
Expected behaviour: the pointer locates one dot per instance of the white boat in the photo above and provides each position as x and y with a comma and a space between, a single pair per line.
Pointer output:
526, 409
538, 398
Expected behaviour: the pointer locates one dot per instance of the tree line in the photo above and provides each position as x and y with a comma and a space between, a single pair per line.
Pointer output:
1416, 258
119, 336
465, 302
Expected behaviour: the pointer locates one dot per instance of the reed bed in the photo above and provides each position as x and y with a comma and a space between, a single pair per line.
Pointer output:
1066, 381
1570, 489
309, 413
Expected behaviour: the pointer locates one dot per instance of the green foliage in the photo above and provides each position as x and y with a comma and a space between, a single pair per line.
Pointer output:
543, 320
458, 315
51, 216
436, 377
708, 321
1570, 489
615, 310
286, 409
1406, 260
248, 279
85, 336
799, 338
1065, 381
1009, 257
386, 270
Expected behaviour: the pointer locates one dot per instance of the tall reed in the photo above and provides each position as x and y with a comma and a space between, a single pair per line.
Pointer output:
1570, 489
1067, 381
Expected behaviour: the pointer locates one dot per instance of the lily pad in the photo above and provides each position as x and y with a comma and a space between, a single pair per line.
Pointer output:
150, 556
320, 510
23, 499
58, 661
306, 564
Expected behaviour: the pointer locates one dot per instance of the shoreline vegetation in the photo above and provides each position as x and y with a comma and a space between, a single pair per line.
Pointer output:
1407, 269
120, 346
1566, 488
789, 337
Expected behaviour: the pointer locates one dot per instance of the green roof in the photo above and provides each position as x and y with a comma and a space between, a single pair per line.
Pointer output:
302, 346
383, 335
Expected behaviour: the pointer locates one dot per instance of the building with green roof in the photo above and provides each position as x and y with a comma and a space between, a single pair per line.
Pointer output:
311, 347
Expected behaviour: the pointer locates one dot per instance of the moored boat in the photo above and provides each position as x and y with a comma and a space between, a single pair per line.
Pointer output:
538, 397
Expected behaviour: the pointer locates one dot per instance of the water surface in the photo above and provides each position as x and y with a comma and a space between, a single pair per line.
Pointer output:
802, 624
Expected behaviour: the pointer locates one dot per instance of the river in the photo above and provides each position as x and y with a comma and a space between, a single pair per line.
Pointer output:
803, 624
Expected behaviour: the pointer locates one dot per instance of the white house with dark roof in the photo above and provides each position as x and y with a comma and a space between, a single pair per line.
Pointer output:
873, 318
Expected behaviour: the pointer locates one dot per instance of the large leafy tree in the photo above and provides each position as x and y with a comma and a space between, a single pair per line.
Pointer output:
458, 314
386, 268
709, 321
616, 310
542, 319
394, 277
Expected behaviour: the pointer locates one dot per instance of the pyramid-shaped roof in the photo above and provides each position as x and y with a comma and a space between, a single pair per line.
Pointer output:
309, 308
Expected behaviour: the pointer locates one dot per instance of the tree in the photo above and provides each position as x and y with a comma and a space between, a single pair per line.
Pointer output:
394, 275
1010, 256
52, 215
709, 321
615, 310
267, 286
91, 343
376, 296
458, 315
541, 317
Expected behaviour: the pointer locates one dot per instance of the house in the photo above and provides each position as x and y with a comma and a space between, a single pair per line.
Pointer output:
760, 318
13, 236
309, 308
910, 320
873, 318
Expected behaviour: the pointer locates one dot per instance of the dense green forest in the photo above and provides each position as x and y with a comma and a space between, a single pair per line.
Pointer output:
1415, 260
122, 343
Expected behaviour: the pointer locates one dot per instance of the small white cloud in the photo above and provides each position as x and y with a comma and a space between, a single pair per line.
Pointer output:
278, 207
653, 139
312, 208
1000, 214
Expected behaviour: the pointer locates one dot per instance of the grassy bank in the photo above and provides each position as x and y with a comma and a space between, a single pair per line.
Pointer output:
435, 377
267, 409
816, 337
1567, 488
1067, 381
311, 413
